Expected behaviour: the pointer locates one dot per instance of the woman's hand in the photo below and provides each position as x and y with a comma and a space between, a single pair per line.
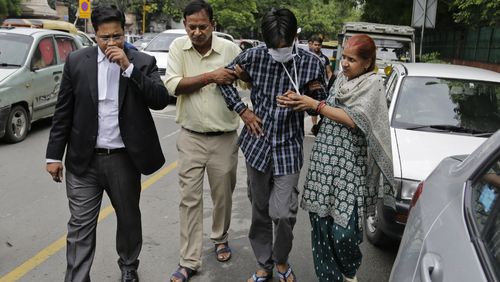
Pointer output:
297, 102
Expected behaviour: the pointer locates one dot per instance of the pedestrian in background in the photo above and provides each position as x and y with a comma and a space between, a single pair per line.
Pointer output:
207, 141
351, 149
272, 138
102, 120
315, 43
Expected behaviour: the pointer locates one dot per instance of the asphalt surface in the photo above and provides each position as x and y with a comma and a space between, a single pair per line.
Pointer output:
34, 212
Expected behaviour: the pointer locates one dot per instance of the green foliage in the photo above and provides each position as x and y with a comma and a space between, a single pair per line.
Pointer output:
316, 17
432, 58
387, 11
174, 9
9, 8
235, 17
463, 12
123, 5
476, 12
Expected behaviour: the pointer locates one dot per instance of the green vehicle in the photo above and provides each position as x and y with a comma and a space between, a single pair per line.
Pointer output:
31, 67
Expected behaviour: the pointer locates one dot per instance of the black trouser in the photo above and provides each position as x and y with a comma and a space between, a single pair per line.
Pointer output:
115, 174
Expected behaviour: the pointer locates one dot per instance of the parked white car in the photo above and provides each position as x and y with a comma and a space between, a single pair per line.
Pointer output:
435, 111
159, 46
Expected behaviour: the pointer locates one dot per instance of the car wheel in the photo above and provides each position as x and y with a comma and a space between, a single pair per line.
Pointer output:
373, 233
17, 125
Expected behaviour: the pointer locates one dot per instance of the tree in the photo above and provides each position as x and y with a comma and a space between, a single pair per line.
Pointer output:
476, 12
174, 9
235, 17
9, 8
318, 17
378, 11
123, 5
463, 12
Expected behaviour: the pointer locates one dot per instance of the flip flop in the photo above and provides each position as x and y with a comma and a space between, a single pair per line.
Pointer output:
223, 250
267, 278
289, 272
179, 275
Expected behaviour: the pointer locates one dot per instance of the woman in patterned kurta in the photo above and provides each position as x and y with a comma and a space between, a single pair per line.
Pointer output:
350, 152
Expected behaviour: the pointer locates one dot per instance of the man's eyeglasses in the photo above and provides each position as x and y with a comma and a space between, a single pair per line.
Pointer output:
116, 38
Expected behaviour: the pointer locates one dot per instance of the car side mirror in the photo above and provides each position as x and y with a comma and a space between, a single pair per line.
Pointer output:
143, 45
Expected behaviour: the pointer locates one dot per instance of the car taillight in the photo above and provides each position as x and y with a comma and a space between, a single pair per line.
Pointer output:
416, 195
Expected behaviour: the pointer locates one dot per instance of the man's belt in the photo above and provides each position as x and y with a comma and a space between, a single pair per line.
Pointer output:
103, 151
211, 133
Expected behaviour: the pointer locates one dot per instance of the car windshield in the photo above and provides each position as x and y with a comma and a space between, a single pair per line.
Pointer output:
162, 42
389, 50
14, 49
429, 103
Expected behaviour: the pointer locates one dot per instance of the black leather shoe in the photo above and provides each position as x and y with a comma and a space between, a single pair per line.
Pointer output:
130, 275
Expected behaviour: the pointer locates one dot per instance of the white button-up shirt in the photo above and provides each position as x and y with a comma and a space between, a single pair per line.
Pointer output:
108, 81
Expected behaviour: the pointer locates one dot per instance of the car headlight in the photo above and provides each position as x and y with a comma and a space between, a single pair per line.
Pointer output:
408, 187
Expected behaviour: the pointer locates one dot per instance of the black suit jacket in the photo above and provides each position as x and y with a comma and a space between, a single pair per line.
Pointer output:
75, 121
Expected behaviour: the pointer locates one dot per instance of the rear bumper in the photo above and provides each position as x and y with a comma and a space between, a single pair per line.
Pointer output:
393, 223
4, 115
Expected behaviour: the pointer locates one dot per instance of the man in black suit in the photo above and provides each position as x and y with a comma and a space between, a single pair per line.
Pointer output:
102, 118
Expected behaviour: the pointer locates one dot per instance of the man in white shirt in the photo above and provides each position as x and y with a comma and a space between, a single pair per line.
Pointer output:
103, 122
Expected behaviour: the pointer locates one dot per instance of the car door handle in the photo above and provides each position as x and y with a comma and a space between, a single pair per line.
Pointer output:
430, 268
57, 72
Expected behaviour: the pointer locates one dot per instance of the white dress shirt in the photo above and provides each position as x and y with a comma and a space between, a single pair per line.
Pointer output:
108, 81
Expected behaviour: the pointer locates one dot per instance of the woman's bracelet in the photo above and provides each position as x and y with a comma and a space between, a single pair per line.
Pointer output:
320, 106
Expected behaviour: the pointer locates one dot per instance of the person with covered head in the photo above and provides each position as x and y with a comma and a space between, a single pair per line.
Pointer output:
350, 152
272, 137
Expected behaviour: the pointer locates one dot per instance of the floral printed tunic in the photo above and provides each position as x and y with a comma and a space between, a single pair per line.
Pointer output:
337, 170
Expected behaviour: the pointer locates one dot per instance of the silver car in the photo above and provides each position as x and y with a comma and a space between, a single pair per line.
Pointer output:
435, 111
453, 231
31, 66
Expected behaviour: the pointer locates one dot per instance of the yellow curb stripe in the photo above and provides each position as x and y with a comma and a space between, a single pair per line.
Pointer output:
60, 243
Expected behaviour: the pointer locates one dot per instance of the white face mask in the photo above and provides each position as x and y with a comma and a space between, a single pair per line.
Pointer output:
281, 55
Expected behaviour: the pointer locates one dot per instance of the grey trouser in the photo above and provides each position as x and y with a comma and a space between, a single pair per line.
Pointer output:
116, 175
274, 199
218, 156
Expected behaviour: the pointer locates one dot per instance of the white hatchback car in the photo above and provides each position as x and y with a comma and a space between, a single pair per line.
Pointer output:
159, 46
435, 111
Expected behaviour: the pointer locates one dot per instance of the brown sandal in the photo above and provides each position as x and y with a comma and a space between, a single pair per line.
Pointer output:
223, 250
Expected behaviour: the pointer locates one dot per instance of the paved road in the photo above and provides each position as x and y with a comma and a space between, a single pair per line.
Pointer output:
33, 216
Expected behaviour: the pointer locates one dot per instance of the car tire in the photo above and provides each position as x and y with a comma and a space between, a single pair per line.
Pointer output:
17, 125
374, 234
